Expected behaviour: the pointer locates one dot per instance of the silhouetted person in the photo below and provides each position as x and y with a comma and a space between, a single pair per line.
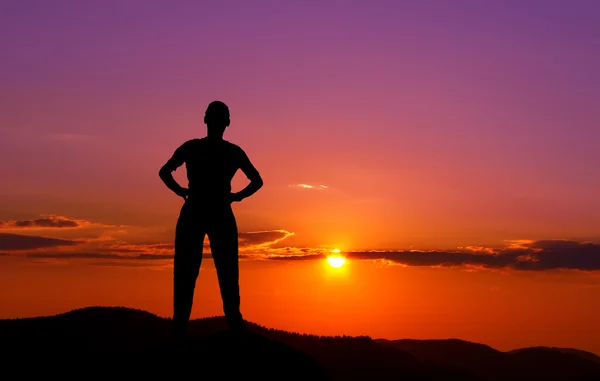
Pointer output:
211, 163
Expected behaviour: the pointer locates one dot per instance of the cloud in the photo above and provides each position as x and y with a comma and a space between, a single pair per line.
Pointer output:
263, 238
253, 245
109, 259
560, 254
15, 242
73, 255
146, 264
434, 258
297, 257
481, 249
249, 242
76, 255
50, 221
102, 259
308, 186
523, 255
129, 248
526, 256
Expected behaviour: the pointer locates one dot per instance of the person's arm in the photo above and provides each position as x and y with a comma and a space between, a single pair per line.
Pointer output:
252, 174
166, 173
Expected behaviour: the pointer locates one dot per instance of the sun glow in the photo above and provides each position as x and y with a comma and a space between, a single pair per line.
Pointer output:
336, 261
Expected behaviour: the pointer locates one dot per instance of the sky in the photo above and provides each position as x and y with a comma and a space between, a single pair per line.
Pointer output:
448, 150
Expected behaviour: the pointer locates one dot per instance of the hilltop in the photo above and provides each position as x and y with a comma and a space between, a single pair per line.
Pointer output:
119, 342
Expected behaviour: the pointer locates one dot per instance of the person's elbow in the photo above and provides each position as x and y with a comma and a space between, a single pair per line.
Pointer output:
258, 182
163, 172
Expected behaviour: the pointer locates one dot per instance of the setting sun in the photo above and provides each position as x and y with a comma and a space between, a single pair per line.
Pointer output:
336, 261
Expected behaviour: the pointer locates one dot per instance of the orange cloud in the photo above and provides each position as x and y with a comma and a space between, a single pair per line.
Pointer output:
523, 255
526, 256
253, 245
480, 249
263, 238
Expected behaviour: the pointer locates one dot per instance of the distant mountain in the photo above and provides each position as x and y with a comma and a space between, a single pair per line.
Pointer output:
120, 342
490, 364
578, 352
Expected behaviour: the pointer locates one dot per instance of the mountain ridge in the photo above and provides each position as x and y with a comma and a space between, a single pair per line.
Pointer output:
111, 335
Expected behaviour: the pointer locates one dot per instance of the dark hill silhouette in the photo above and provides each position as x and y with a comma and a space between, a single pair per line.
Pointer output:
578, 352
556, 365
121, 342
490, 364
478, 359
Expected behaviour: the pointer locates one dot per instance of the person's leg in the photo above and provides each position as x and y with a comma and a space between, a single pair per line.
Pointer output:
189, 239
223, 237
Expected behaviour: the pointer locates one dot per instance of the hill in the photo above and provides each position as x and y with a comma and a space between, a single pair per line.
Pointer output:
538, 363
123, 342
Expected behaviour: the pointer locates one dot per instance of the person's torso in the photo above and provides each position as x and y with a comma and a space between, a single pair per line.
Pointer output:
211, 165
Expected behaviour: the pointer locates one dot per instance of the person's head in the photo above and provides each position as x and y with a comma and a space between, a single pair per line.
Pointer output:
216, 117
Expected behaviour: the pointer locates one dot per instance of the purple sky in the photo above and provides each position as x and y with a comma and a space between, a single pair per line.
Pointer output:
455, 106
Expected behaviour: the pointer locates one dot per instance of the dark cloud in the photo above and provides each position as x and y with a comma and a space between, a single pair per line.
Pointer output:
109, 256
531, 256
9, 242
75, 255
435, 258
548, 255
47, 223
43, 222
51, 221
522, 255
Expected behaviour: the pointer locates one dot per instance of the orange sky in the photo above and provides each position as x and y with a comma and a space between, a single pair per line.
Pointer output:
504, 305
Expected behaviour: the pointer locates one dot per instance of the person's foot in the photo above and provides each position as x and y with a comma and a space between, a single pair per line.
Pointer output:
238, 328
